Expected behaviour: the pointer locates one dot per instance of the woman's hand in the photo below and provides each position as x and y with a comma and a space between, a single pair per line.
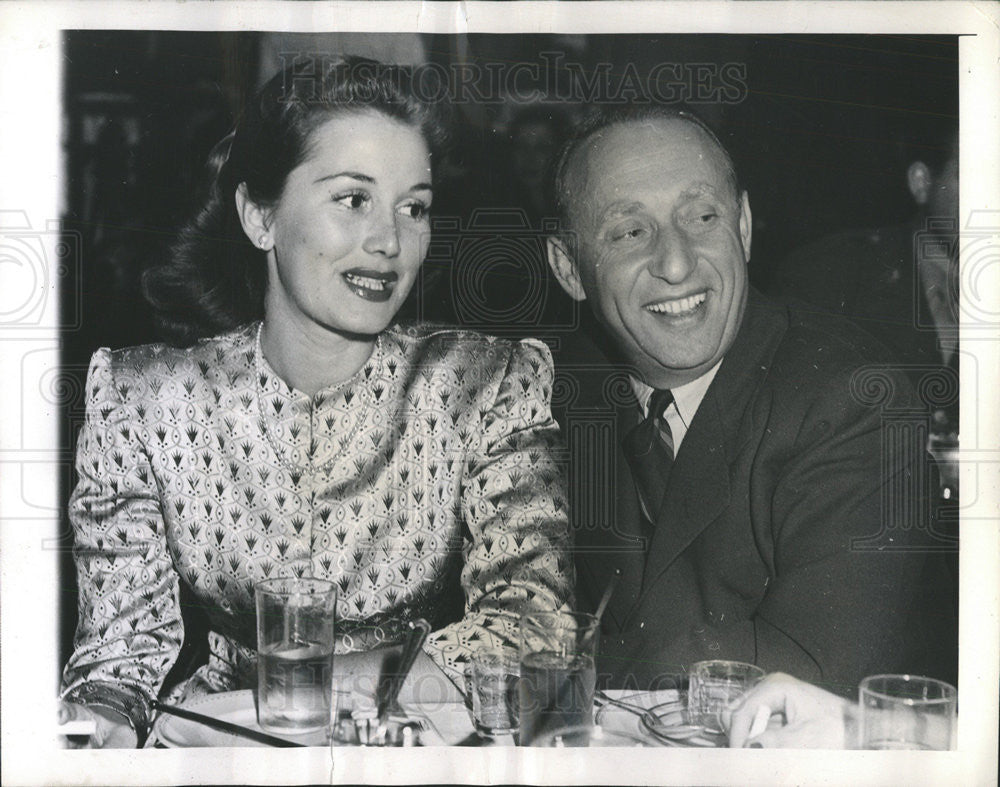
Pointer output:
112, 730
813, 718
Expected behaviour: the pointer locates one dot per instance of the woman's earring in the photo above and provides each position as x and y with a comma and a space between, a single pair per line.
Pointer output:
262, 241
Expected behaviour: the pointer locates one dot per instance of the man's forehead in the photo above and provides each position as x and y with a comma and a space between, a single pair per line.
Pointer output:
632, 139
629, 153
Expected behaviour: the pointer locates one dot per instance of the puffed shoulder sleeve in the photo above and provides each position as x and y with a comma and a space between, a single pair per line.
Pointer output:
129, 627
517, 556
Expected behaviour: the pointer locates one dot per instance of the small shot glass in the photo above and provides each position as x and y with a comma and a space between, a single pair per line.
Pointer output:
494, 680
712, 685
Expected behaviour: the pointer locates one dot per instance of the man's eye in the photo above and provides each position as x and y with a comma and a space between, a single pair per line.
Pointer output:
701, 220
354, 200
628, 233
702, 217
414, 210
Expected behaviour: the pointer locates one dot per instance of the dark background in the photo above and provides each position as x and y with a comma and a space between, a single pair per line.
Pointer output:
822, 138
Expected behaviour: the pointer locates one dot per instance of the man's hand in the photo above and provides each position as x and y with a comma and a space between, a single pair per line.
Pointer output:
813, 718
112, 730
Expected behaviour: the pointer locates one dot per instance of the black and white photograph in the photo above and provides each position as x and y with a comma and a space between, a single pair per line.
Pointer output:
484, 379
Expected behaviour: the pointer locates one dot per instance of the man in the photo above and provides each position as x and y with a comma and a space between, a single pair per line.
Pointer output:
753, 515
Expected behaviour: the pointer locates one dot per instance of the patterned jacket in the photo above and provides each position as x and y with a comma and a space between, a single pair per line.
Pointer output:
429, 473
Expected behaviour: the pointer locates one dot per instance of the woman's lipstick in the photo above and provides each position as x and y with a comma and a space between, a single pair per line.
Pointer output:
370, 284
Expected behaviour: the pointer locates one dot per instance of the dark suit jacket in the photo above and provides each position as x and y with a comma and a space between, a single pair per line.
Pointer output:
795, 533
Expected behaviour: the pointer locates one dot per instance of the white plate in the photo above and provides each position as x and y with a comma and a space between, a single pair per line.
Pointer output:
666, 705
236, 707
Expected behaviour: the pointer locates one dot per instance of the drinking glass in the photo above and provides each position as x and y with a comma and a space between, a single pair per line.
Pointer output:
558, 675
712, 685
295, 621
907, 712
495, 675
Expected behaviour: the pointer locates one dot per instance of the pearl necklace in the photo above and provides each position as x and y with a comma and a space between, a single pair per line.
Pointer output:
361, 416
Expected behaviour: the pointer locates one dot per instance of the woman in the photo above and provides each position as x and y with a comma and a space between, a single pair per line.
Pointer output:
306, 437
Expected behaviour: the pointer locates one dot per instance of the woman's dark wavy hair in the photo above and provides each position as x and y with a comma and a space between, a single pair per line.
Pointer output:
214, 278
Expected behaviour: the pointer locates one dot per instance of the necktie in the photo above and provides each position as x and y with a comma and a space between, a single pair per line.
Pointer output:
649, 448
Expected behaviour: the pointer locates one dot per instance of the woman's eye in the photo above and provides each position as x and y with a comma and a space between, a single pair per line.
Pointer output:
354, 200
414, 210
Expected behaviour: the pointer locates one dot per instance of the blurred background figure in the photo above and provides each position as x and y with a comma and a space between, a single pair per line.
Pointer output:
495, 267
535, 134
900, 282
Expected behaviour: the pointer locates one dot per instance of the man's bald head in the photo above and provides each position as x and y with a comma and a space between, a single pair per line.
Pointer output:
566, 164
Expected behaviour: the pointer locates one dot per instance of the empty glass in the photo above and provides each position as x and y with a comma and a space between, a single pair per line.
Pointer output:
712, 685
494, 674
907, 712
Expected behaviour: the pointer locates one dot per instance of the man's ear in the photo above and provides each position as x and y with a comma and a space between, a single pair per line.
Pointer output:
254, 219
563, 266
919, 181
746, 225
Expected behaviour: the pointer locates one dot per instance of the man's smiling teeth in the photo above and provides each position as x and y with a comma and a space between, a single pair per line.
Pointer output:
366, 282
679, 306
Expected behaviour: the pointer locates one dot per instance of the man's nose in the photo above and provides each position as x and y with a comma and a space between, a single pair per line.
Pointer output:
674, 258
382, 236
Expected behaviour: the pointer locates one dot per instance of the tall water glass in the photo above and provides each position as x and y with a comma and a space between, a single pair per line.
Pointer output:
295, 622
907, 712
558, 675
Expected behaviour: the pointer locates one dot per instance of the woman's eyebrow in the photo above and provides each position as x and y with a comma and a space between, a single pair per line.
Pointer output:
422, 186
347, 174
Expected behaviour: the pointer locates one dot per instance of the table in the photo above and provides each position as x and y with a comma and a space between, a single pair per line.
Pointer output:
447, 723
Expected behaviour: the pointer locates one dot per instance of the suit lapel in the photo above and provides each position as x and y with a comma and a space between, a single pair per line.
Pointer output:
698, 490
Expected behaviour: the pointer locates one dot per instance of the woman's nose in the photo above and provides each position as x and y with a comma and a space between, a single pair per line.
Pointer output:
383, 236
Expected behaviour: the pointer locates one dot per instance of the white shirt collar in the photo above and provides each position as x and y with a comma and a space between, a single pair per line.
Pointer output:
687, 397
